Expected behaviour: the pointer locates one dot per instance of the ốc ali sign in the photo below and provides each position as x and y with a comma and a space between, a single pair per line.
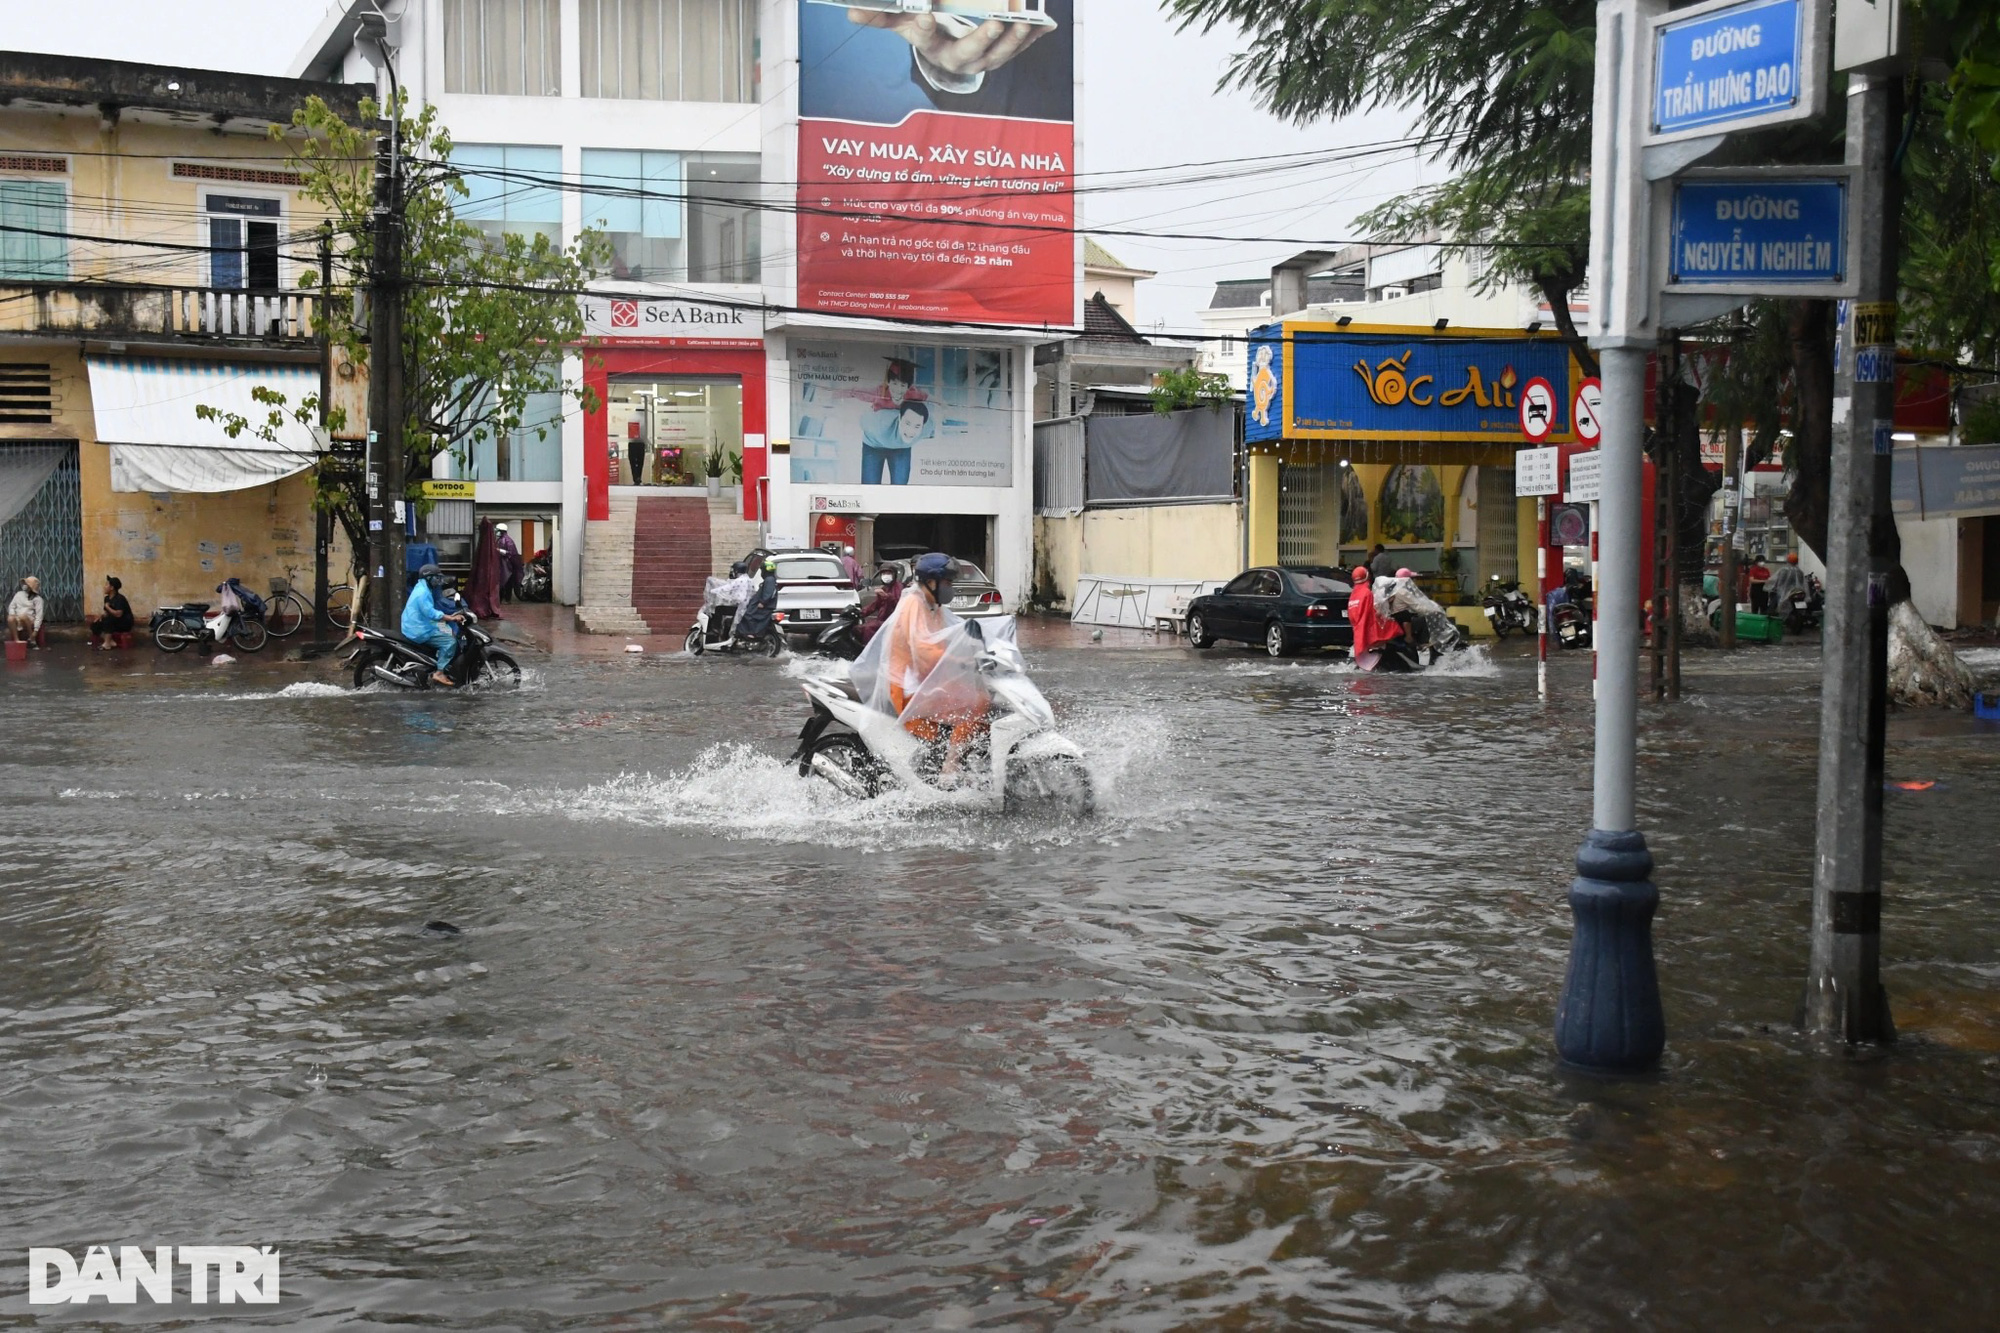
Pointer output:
1324, 382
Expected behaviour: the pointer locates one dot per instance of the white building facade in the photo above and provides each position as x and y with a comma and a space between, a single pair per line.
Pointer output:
673, 127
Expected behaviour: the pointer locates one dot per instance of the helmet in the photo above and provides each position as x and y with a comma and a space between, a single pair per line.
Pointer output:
886, 576
770, 564
1792, 558
499, 527
936, 565
736, 570
847, 550
1361, 573
432, 575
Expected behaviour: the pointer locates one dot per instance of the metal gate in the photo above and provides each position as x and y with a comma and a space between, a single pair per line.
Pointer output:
46, 540
1305, 494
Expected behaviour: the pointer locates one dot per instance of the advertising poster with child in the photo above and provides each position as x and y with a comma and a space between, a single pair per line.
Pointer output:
936, 159
913, 414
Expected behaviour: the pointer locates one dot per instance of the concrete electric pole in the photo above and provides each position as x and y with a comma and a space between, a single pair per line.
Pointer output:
387, 505
1844, 996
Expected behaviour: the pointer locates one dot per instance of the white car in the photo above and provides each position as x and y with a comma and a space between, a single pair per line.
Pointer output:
813, 588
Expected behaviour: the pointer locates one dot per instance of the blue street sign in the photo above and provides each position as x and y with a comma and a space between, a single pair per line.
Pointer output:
1728, 68
1756, 233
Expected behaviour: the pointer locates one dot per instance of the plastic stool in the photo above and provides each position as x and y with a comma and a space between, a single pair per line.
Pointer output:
16, 651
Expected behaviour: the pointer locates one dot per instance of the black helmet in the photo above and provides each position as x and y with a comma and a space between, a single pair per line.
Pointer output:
432, 575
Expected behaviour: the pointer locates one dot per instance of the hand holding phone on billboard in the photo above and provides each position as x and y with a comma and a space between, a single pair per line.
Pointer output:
956, 45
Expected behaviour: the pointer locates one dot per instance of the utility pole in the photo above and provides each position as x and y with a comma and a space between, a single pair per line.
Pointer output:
1732, 527
1844, 996
385, 479
322, 520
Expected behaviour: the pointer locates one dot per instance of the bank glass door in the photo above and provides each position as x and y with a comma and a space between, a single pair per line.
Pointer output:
664, 430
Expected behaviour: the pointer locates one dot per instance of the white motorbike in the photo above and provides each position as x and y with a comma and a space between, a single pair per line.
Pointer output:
1031, 766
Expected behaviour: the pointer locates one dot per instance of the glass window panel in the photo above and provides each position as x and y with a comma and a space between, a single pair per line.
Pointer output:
669, 50
33, 207
225, 256
617, 170
510, 47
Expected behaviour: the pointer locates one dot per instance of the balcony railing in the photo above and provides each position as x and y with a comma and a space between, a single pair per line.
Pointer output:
147, 313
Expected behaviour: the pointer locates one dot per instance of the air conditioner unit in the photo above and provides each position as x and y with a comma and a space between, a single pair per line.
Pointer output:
1394, 293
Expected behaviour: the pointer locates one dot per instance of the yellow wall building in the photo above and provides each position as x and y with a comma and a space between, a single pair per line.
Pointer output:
154, 242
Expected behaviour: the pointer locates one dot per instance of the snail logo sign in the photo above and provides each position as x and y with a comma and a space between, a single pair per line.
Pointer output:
1323, 382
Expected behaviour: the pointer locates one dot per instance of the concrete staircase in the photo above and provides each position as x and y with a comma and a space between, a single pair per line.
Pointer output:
670, 559
606, 607
729, 538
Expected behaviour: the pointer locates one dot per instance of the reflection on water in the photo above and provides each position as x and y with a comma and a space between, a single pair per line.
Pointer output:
1263, 1045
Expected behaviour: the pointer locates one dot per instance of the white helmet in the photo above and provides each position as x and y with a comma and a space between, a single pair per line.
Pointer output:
499, 527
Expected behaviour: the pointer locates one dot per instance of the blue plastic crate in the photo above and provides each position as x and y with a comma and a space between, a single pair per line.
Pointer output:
1986, 706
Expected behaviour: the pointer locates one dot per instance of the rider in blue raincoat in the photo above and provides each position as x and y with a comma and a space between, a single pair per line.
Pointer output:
428, 618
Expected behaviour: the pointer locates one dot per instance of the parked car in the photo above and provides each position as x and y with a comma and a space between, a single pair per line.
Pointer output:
1283, 607
973, 594
813, 588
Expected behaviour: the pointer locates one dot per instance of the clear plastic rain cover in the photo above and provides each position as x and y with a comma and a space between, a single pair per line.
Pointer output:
924, 662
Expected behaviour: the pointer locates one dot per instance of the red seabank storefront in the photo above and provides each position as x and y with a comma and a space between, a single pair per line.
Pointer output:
662, 405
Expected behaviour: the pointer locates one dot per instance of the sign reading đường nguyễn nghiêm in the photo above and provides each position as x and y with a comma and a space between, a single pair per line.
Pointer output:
1324, 382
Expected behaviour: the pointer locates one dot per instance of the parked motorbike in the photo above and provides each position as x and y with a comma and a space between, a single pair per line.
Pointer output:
843, 637
536, 582
175, 627
1508, 608
1022, 759
391, 659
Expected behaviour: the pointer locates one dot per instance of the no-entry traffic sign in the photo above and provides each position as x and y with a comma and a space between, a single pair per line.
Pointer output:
1583, 414
1538, 409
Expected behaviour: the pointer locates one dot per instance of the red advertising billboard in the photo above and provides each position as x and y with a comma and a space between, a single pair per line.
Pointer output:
936, 158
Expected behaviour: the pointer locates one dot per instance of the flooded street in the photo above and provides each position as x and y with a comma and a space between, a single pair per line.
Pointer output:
1266, 1044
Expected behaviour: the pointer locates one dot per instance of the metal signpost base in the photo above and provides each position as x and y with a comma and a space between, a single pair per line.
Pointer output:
1609, 1017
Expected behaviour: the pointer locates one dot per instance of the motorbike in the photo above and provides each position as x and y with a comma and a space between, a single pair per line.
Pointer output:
392, 659
843, 637
714, 629
1023, 759
1508, 608
175, 627
1804, 607
713, 632
535, 579
1569, 616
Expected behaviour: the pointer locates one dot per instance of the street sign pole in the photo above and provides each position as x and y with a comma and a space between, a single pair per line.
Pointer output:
1609, 1017
1844, 996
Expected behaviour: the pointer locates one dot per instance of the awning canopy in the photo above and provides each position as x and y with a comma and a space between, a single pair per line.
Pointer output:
145, 410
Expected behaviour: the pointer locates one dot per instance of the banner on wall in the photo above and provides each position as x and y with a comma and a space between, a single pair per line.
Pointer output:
1322, 382
936, 159
907, 414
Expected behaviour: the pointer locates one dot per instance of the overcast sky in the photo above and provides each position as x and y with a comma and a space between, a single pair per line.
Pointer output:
1149, 103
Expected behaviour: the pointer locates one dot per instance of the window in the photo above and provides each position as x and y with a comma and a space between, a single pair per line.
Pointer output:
243, 243
32, 249
511, 190
1241, 584
675, 217
670, 50
662, 431
506, 47
531, 451
1267, 584
1312, 585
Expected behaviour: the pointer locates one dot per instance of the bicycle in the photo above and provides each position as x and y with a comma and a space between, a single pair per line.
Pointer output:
287, 609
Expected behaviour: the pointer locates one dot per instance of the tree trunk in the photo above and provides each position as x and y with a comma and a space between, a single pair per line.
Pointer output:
1923, 669
1680, 435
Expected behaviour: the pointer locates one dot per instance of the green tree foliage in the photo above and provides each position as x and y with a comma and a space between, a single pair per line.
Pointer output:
1176, 390
1501, 91
484, 318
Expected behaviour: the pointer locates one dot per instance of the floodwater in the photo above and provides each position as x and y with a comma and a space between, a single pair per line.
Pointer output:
1265, 1045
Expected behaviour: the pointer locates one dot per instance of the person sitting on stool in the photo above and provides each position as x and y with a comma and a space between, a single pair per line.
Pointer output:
117, 617
24, 611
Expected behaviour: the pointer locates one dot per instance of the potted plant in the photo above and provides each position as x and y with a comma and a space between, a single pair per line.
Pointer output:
736, 480
715, 469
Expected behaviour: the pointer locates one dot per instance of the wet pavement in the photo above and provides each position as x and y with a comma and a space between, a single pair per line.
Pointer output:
1264, 1045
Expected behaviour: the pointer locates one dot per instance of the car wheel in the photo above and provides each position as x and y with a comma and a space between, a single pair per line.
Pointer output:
1277, 642
1198, 634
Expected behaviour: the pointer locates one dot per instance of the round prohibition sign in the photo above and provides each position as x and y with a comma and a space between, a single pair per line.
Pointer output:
1538, 409
1587, 413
